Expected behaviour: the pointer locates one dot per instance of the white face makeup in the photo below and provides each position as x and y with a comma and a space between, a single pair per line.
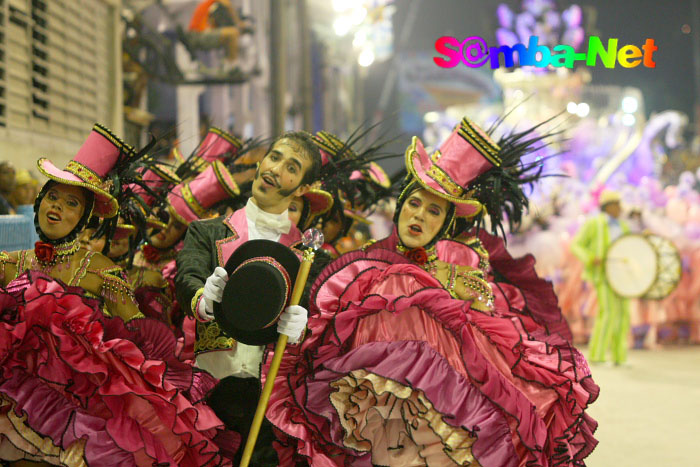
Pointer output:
278, 179
422, 215
60, 210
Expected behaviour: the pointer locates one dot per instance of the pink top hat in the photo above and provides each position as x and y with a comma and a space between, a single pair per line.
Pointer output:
190, 201
90, 167
216, 145
374, 173
159, 177
467, 153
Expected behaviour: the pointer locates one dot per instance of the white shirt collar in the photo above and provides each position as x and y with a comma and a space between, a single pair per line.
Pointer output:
277, 223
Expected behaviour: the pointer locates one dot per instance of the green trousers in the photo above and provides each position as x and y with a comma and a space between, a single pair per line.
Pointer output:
611, 327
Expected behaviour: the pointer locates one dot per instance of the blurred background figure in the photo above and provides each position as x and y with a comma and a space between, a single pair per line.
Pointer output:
26, 189
7, 185
590, 246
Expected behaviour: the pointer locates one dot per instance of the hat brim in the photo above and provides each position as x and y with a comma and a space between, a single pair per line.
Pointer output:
418, 164
242, 301
356, 216
106, 205
378, 175
124, 230
320, 202
154, 223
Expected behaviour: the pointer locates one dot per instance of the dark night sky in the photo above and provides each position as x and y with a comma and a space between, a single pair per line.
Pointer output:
668, 86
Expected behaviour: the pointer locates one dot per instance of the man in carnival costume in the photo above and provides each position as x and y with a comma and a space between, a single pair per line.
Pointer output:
288, 170
590, 246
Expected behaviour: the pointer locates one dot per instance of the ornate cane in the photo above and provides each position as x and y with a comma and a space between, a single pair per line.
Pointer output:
312, 239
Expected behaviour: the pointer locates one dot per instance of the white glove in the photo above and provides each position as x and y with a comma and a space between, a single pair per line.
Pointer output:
213, 292
292, 322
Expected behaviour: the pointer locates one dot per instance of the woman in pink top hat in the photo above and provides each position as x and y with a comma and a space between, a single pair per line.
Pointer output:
82, 380
416, 358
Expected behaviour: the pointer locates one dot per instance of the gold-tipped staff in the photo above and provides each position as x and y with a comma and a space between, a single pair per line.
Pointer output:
312, 240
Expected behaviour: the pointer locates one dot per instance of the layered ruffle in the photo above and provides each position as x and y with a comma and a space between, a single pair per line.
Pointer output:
115, 394
539, 301
374, 315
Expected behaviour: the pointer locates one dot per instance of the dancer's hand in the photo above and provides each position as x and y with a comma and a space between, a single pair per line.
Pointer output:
213, 292
292, 322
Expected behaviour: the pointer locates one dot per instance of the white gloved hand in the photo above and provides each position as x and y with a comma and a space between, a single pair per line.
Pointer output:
292, 322
213, 292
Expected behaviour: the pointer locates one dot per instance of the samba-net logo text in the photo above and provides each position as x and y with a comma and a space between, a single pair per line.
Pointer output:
475, 53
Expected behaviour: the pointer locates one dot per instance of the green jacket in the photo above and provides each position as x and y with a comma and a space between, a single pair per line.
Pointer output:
592, 242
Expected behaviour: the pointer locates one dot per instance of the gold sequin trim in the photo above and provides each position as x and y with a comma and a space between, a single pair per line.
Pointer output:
226, 179
440, 176
227, 136
195, 300
480, 141
107, 133
192, 202
84, 173
210, 337
333, 145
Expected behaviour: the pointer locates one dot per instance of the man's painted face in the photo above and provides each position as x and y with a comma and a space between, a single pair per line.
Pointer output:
280, 174
60, 210
421, 218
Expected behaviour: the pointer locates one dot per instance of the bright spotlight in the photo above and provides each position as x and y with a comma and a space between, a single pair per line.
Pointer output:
628, 119
358, 15
342, 5
571, 107
431, 117
630, 104
366, 58
582, 109
342, 25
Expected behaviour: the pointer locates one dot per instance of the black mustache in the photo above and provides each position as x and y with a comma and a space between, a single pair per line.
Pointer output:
274, 178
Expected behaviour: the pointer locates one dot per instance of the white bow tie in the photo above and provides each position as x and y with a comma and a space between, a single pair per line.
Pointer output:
273, 224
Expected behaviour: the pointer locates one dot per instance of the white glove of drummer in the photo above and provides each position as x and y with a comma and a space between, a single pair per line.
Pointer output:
213, 292
292, 322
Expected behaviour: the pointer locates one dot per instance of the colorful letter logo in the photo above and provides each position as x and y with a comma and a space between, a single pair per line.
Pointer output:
474, 53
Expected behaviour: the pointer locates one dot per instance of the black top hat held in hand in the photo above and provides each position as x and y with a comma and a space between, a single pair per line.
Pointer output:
261, 278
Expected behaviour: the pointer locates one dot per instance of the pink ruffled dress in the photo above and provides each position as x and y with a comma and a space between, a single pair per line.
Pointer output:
80, 388
397, 371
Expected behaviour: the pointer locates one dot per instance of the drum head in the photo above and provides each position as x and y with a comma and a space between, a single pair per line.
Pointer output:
668, 273
631, 265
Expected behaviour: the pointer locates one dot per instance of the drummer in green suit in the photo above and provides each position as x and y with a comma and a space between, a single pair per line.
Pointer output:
590, 246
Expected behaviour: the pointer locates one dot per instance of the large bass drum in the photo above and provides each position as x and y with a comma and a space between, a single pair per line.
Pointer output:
642, 266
